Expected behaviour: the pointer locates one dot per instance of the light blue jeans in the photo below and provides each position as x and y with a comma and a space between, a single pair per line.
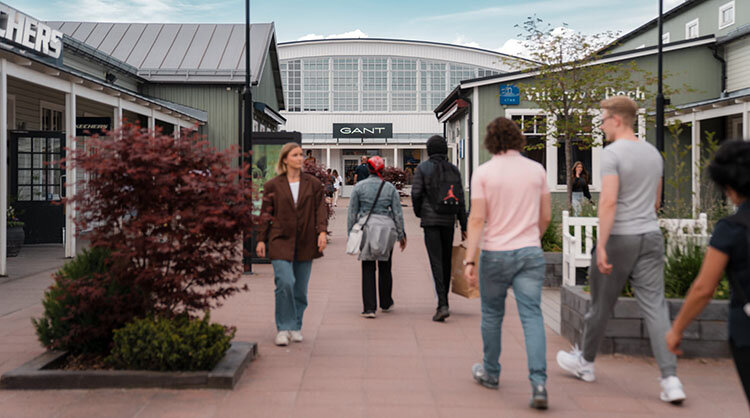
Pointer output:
291, 280
523, 269
576, 199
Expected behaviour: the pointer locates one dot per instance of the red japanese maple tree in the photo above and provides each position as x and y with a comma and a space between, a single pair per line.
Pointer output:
172, 210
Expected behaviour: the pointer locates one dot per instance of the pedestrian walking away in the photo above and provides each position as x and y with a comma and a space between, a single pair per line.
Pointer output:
380, 197
437, 196
728, 252
362, 171
630, 247
510, 210
292, 232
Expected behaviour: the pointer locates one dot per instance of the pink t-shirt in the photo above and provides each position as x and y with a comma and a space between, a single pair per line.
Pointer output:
511, 186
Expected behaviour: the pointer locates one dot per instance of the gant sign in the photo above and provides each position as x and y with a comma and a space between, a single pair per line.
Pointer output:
20, 29
363, 130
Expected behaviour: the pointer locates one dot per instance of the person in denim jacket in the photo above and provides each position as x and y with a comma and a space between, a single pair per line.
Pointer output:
389, 203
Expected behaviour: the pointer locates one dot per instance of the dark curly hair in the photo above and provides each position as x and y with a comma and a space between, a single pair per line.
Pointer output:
731, 166
502, 135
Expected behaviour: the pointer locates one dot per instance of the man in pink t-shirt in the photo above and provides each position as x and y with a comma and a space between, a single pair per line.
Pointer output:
510, 204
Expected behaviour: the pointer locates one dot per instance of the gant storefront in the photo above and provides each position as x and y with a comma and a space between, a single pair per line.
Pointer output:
43, 99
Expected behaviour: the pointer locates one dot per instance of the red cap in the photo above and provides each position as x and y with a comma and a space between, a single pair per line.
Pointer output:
377, 164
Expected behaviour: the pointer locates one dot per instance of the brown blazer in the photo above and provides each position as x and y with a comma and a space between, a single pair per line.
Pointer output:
284, 227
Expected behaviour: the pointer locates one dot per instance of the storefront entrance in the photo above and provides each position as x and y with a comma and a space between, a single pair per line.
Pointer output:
36, 183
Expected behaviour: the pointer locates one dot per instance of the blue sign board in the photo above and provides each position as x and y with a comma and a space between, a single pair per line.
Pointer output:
461, 147
510, 94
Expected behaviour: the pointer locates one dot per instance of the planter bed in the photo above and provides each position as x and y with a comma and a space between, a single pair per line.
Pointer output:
626, 333
553, 269
40, 373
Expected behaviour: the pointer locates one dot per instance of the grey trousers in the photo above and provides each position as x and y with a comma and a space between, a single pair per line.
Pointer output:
640, 259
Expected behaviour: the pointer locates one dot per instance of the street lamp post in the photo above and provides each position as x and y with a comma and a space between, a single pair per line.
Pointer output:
660, 96
248, 114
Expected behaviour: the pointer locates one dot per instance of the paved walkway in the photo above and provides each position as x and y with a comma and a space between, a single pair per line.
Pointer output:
399, 365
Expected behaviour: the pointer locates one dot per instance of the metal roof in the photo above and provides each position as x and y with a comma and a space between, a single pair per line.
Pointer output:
178, 52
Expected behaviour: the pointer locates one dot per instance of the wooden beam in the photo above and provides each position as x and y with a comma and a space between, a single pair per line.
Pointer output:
52, 72
22, 62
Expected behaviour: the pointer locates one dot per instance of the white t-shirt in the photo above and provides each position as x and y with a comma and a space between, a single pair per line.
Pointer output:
338, 183
295, 190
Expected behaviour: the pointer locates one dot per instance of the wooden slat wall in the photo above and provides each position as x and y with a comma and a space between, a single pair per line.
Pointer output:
738, 62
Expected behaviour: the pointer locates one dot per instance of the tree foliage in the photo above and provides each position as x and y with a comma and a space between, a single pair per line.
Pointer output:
172, 210
566, 84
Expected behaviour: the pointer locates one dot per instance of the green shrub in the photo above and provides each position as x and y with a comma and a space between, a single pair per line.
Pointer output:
86, 303
681, 269
163, 344
552, 238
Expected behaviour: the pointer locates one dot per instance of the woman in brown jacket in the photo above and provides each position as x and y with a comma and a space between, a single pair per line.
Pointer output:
293, 228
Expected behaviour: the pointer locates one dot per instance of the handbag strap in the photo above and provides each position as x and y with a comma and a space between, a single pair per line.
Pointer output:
373, 203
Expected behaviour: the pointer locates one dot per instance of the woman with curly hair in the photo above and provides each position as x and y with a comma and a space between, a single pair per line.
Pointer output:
580, 182
510, 209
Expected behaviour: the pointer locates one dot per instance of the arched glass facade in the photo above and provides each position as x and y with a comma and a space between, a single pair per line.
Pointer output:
371, 83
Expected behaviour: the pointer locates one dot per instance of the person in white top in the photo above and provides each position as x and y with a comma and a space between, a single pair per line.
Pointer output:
338, 184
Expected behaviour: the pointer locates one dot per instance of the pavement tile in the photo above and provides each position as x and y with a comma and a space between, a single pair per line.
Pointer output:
402, 364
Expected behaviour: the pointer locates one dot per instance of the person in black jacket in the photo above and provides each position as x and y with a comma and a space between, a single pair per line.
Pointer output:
438, 227
580, 187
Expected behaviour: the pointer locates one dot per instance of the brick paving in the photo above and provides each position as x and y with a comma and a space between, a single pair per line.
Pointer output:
399, 365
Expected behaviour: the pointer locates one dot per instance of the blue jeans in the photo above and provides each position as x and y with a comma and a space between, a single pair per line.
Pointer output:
291, 280
524, 270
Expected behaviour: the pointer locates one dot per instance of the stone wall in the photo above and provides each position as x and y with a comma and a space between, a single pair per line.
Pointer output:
553, 272
626, 333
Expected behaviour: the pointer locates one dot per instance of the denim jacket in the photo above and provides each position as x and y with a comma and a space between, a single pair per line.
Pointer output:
389, 203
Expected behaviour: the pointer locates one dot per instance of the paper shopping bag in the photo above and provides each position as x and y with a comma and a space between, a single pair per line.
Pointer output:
459, 285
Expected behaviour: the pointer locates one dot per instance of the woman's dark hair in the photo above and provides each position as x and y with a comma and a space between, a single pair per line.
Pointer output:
731, 166
584, 173
335, 173
502, 135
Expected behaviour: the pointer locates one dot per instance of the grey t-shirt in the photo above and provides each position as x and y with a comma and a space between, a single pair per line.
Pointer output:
638, 165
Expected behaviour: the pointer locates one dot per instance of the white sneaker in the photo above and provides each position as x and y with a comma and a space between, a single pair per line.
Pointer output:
282, 338
671, 390
574, 362
296, 336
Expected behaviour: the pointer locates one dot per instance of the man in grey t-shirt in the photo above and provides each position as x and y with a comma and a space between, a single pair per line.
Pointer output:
630, 247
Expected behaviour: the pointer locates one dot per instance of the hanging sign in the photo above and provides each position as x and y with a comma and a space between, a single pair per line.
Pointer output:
363, 130
510, 94
92, 126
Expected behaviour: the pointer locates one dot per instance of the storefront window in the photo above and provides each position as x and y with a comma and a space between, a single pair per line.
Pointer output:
410, 160
534, 127
265, 157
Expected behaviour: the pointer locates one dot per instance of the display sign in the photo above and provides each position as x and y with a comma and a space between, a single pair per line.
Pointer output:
92, 126
510, 94
363, 130
461, 148
20, 29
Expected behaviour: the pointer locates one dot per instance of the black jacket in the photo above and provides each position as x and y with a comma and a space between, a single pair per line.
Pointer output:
420, 188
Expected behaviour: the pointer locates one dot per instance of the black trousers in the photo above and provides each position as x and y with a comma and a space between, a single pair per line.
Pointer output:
385, 284
439, 243
742, 362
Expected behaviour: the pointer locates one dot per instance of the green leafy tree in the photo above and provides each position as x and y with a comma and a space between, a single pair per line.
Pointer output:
567, 84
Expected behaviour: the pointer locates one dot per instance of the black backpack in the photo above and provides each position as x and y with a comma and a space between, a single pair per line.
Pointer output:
445, 188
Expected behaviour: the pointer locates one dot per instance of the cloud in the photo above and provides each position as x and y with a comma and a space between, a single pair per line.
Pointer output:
464, 41
515, 48
145, 11
351, 34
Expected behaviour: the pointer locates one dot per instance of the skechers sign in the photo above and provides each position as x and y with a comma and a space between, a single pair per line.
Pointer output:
363, 130
18, 28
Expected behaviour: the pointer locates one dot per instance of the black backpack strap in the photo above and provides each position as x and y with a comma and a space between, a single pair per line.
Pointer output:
382, 183
742, 218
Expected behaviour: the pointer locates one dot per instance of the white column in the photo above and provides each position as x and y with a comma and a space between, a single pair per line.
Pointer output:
70, 172
746, 122
117, 115
151, 121
466, 154
3, 168
695, 159
328, 157
176, 132
395, 157
474, 128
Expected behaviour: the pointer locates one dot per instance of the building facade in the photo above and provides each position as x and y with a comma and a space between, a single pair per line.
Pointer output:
715, 67
354, 97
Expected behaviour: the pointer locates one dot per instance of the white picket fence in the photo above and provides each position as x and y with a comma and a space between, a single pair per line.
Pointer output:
577, 246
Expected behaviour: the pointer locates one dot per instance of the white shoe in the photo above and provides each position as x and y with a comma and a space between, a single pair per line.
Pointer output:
671, 390
282, 338
574, 362
296, 336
